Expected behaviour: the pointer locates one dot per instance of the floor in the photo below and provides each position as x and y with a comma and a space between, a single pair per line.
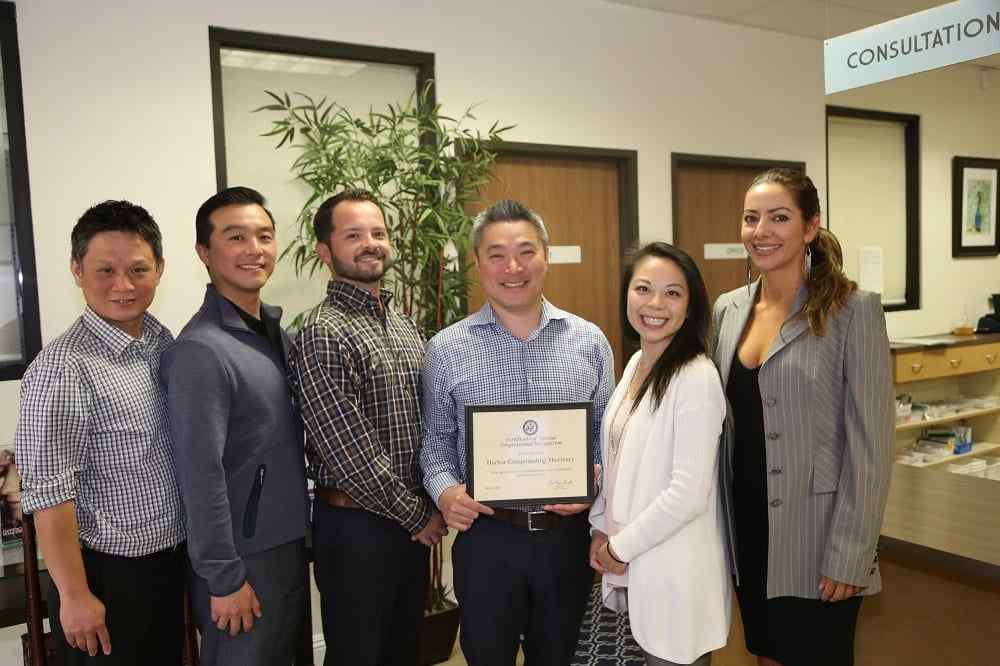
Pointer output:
926, 615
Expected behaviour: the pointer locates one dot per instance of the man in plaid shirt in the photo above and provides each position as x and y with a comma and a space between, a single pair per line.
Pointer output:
93, 448
356, 372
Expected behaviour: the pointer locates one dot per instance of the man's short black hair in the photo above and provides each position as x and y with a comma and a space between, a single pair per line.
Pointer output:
231, 196
323, 219
507, 210
111, 215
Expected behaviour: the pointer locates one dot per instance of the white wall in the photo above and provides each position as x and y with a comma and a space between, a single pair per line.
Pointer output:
957, 117
118, 103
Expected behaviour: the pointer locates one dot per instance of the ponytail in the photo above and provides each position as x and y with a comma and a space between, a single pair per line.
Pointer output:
827, 286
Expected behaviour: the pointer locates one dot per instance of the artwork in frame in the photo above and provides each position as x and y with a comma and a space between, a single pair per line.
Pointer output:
974, 207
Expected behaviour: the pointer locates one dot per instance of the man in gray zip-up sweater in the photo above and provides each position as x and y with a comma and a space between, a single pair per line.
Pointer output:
238, 446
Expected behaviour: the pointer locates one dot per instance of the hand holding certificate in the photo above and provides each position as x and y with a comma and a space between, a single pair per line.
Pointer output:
529, 454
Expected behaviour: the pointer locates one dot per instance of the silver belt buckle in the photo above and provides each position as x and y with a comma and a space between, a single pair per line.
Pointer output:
531, 515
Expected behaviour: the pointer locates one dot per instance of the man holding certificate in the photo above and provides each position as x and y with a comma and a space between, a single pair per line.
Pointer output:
513, 397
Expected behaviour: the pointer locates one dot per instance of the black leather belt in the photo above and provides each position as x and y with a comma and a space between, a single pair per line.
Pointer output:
336, 497
533, 521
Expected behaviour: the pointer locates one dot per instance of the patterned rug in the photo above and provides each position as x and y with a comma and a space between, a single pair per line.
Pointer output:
605, 637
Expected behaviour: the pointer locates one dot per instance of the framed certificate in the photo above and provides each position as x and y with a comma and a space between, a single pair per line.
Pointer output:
529, 454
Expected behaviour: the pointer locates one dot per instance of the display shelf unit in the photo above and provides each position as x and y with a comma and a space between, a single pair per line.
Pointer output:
928, 505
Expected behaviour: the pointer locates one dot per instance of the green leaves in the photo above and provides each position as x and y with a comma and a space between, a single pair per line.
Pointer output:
425, 168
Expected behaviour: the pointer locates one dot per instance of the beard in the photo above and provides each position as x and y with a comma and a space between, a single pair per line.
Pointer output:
365, 274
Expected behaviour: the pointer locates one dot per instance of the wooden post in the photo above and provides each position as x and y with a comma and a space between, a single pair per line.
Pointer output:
33, 595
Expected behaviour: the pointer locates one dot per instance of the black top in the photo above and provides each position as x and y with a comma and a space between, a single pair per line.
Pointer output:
749, 473
749, 458
267, 327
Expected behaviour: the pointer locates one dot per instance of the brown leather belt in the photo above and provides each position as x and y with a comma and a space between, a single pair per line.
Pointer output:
533, 521
336, 497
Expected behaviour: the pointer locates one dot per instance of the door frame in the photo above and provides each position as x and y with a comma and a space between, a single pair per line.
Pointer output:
689, 159
627, 162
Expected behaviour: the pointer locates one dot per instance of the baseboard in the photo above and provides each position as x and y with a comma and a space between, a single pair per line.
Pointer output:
976, 573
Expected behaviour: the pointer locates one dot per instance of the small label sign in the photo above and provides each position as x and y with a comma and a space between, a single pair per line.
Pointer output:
565, 254
725, 251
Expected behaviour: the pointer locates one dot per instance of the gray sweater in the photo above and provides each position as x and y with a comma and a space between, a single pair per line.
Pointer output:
237, 442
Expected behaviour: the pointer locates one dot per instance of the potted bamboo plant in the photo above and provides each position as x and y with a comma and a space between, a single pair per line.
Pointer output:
425, 168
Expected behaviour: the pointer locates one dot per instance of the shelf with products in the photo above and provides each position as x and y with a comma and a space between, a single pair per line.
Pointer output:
928, 505
952, 418
978, 449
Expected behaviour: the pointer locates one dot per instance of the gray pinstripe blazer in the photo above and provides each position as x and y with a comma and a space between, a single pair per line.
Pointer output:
829, 427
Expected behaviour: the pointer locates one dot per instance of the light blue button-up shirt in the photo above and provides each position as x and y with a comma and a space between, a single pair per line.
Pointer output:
479, 362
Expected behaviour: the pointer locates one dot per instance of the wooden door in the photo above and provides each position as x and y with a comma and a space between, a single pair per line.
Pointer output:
708, 205
709, 202
578, 199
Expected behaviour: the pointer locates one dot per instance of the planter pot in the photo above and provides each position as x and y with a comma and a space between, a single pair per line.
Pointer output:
437, 636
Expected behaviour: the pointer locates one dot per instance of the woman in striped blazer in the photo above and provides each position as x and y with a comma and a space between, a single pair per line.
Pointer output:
807, 447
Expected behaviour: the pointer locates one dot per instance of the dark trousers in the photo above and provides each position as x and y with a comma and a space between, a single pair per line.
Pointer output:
372, 580
143, 599
512, 583
280, 578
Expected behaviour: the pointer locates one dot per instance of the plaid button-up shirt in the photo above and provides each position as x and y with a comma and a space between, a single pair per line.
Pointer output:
479, 362
356, 373
93, 428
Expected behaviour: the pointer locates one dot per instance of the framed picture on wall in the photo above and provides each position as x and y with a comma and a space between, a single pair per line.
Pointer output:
974, 207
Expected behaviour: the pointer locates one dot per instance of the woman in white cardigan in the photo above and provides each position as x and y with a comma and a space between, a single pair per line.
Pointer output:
657, 525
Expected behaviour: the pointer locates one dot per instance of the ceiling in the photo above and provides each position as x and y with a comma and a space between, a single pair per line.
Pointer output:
819, 19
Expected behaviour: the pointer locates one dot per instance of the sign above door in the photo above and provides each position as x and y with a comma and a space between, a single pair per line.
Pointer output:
937, 37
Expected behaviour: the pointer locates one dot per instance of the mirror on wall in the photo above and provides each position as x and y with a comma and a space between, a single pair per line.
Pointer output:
20, 331
873, 200
245, 66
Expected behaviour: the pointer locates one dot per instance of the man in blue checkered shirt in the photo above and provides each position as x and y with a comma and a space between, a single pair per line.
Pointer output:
93, 448
518, 572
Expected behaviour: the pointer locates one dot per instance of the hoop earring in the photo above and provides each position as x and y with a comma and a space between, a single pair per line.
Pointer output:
748, 274
808, 261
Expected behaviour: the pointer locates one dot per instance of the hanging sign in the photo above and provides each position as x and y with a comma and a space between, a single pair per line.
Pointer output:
945, 35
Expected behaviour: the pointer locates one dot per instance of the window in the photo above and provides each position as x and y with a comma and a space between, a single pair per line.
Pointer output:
244, 66
20, 332
873, 200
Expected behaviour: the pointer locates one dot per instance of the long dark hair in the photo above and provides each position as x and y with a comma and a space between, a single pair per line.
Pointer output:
691, 340
827, 286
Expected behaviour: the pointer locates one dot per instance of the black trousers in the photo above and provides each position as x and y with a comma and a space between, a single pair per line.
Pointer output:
512, 583
280, 579
143, 599
372, 580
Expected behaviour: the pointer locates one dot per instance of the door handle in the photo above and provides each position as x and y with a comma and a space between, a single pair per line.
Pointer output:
916, 368
955, 362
